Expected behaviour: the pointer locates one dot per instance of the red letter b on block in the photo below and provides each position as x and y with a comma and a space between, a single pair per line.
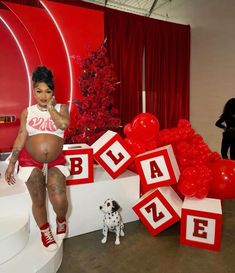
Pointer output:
76, 165
80, 160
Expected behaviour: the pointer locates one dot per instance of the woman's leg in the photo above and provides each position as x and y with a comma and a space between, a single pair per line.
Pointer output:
56, 187
225, 146
37, 191
232, 152
232, 146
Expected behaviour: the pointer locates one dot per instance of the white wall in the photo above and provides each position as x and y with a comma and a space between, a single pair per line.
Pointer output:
212, 75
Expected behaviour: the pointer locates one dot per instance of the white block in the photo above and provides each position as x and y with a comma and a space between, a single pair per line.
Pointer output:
158, 209
112, 153
157, 168
201, 223
80, 160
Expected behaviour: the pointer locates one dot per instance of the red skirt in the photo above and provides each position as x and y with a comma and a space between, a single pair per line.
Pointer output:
25, 160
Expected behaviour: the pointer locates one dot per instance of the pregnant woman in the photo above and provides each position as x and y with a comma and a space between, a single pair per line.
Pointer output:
38, 149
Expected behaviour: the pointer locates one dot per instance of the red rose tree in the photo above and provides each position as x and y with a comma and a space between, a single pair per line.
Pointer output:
94, 113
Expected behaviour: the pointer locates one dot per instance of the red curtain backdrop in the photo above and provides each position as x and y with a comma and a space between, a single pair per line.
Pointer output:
167, 61
125, 44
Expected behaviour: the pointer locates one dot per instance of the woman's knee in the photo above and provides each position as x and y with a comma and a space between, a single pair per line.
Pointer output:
57, 192
55, 174
56, 184
36, 187
59, 202
232, 152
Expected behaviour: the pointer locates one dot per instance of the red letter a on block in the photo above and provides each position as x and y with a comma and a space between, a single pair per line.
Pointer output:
153, 208
76, 165
155, 169
112, 156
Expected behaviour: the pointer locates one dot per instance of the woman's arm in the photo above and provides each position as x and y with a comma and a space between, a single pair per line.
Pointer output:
62, 118
17, 147
219, 123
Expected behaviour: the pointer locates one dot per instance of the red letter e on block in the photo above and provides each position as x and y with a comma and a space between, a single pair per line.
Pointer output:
199, 228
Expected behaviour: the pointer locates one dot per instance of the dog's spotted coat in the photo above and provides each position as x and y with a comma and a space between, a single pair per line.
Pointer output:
112, 220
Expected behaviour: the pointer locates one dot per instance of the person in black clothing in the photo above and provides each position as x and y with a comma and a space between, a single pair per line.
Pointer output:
227, 122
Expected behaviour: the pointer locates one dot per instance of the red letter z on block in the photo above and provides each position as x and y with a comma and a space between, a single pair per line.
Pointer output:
153, 208
76, 165
199, 225
115, 160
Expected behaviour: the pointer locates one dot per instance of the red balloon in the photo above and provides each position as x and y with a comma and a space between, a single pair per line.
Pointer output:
136, 147
187, 187
189, 172
202, 193
151, 145
145, 127
183, 123
223, 184
213, 156
128, 129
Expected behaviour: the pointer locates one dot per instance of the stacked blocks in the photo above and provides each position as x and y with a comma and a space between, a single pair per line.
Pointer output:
111, 152
158, 209
80, 160
160, 206
201, 223
157, 168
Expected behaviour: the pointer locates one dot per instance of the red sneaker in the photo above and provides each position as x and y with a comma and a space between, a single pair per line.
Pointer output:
61, 229
47, 239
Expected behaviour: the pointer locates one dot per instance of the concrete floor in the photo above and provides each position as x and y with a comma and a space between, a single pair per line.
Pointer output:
140, 252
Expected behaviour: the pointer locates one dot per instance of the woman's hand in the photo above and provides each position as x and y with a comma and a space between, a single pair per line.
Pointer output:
51, 103
9, 174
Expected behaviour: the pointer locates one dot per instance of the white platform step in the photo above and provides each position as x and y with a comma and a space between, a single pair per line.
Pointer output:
6, 190
14, 235
34, 258
21, 251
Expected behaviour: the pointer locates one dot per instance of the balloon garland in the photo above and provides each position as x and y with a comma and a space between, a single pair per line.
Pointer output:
203, 172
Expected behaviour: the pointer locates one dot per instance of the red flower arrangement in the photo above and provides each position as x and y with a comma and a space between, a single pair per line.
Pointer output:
94, 114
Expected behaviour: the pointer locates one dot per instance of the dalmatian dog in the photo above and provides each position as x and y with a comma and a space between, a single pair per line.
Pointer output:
112, 220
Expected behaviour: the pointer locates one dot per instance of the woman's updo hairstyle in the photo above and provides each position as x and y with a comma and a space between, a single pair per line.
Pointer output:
43, 74
229, 108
